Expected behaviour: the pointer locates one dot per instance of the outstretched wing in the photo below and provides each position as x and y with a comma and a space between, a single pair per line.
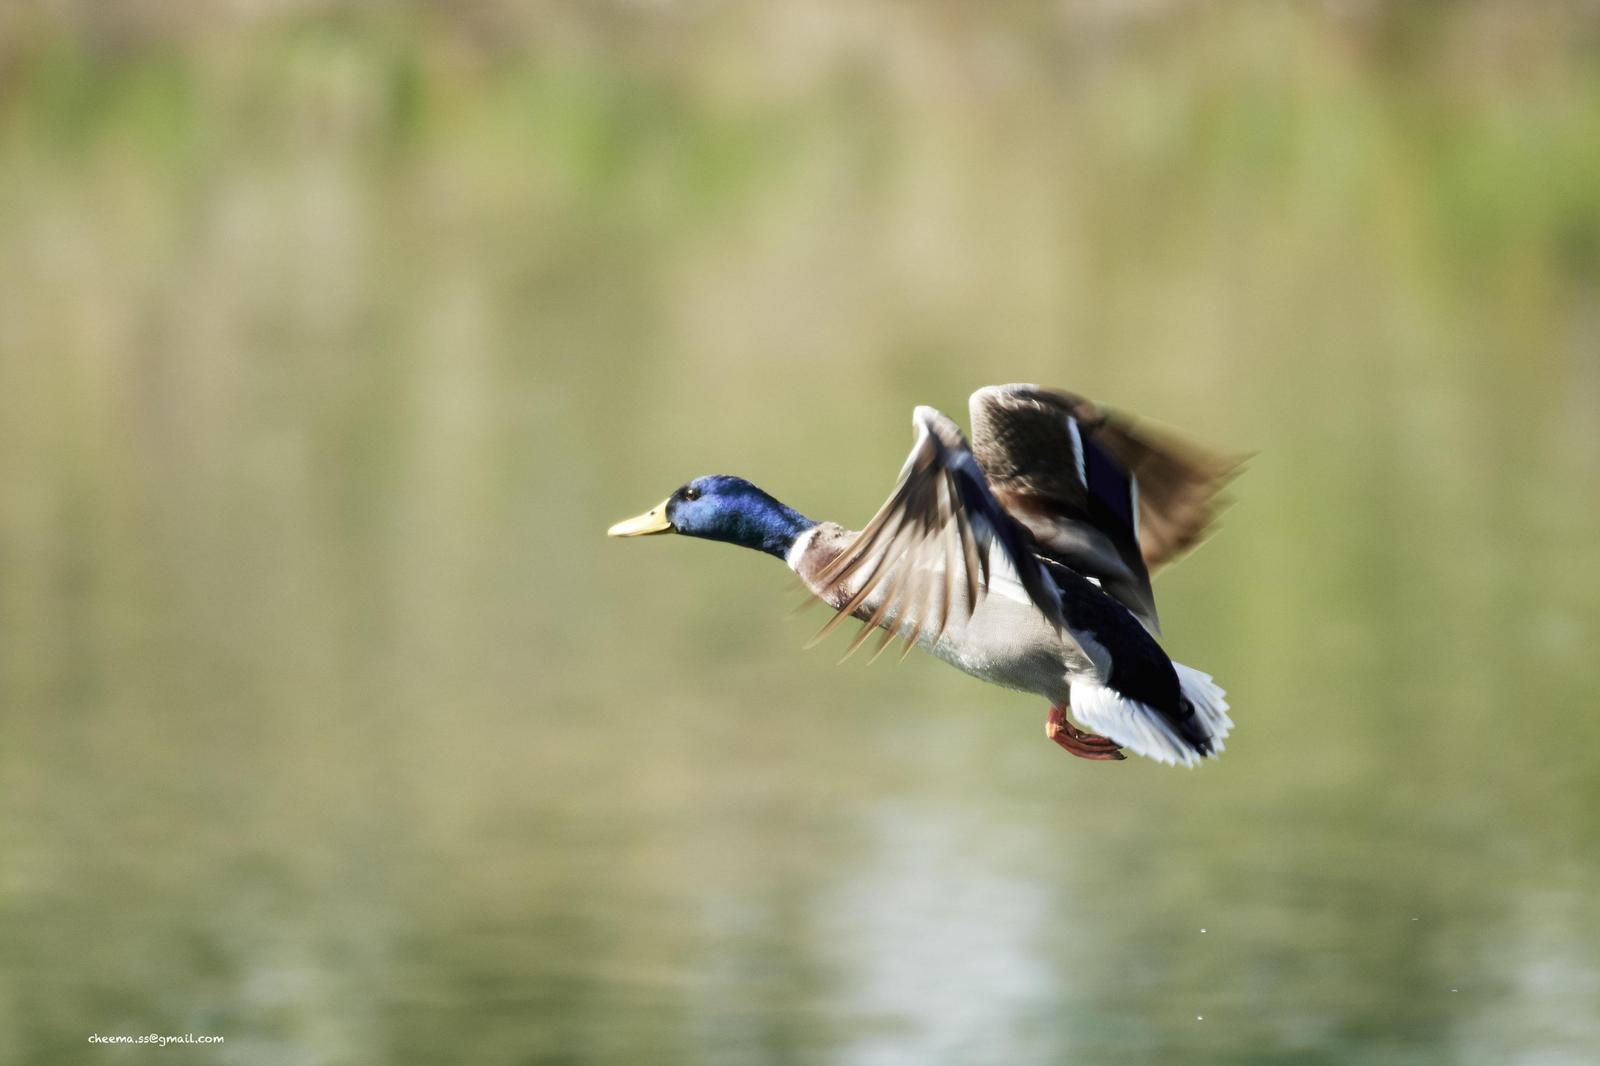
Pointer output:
926, 553
1109, 500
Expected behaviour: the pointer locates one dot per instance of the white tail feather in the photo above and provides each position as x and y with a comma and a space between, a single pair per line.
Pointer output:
1142, 730
1208, 700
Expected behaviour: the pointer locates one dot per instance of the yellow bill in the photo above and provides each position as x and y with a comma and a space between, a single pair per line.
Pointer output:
652, 521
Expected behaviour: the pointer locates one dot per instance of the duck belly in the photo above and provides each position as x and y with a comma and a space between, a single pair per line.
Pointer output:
1008, 643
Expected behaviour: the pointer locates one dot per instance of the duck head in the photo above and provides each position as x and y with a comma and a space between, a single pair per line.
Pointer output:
725, 508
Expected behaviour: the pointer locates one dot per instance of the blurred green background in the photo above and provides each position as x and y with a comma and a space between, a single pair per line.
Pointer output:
332, 337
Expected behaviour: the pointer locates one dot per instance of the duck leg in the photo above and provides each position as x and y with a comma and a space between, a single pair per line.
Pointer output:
1080, 743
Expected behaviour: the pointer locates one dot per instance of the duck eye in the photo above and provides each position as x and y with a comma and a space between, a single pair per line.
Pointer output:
691, 493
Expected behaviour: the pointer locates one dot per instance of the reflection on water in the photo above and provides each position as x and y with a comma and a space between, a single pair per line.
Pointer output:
935, 915
334, 725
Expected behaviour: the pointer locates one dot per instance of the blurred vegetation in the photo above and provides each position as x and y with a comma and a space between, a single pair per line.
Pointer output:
332, 337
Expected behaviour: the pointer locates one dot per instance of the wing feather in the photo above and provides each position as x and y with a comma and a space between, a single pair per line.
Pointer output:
929, 540
1109, 500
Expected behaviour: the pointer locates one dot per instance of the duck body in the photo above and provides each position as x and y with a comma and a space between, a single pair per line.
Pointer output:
1102, 654
1045, 593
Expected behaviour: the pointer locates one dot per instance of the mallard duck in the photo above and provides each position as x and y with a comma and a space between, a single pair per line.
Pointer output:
1023, 560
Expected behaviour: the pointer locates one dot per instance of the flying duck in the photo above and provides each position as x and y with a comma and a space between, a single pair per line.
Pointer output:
1023, 559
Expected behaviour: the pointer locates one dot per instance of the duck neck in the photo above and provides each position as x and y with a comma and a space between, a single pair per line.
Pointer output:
769, 526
